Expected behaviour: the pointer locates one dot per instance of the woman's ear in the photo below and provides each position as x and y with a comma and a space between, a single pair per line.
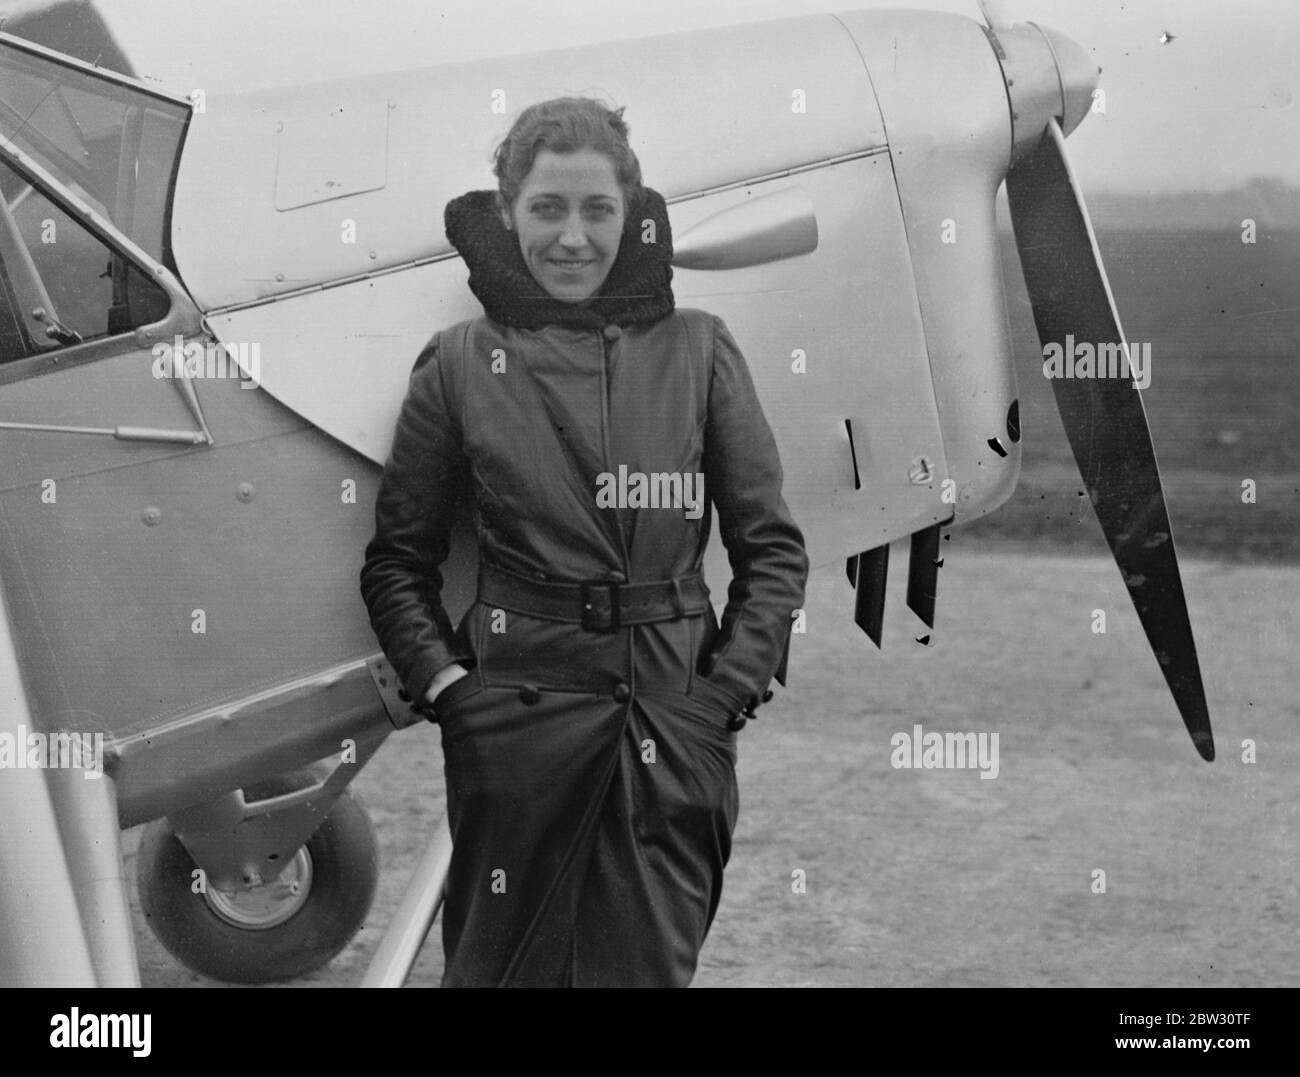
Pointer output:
503, 211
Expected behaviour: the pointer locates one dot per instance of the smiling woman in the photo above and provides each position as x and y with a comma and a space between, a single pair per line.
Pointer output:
565, 182
569, 217
589, 700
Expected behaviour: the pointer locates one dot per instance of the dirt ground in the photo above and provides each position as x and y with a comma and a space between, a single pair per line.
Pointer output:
939, 877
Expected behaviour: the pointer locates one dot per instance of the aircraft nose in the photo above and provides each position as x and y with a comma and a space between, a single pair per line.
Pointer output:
1078, 73
1047, 75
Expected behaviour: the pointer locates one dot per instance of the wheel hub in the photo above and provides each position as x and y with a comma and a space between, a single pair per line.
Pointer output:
269, 904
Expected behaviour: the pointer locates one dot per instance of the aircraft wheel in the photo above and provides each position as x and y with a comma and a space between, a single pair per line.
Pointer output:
276, 931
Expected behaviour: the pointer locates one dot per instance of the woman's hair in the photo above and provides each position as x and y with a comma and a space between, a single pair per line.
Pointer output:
566, 125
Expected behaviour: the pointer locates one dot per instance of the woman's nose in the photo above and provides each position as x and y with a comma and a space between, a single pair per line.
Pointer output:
574, 234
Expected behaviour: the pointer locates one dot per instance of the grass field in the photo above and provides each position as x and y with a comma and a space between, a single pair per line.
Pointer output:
1223, 319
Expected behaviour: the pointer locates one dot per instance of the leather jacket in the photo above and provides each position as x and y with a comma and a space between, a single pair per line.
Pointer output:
527, 414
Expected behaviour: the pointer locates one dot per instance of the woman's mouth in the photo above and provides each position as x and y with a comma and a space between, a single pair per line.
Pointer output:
571, 265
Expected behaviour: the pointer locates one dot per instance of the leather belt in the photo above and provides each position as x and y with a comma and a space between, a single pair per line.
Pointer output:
597, 605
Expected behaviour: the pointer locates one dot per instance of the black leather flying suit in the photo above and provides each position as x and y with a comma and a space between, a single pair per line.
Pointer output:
590, 770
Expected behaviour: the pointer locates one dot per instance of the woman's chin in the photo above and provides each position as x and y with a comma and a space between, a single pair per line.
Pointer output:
573, 296
575, 292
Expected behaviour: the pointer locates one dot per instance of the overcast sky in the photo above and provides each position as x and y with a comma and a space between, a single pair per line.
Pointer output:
1213, 108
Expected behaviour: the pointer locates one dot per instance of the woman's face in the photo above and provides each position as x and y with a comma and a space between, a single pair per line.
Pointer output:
569, 218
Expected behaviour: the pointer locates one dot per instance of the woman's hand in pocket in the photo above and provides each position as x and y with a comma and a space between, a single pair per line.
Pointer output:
448, 675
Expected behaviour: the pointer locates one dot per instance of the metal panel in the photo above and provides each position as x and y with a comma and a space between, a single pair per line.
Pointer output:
104, 592
949, 131
848, 312
336, 153
342, 358
111, 391
706, 109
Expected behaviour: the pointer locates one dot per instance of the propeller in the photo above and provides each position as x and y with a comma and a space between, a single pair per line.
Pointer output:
1103, 416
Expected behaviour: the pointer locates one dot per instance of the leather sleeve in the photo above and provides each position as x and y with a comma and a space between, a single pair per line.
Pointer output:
769, 566
425, 477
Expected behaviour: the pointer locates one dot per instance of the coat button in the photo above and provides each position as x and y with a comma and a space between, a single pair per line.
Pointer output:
612, 332
622, 693
529, 694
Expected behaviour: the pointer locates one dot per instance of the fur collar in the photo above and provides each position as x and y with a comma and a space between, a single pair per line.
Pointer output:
637, 291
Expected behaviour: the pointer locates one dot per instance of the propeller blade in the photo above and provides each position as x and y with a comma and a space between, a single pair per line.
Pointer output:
1103, 416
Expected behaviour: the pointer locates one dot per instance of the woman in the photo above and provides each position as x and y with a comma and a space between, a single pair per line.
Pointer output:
589, 699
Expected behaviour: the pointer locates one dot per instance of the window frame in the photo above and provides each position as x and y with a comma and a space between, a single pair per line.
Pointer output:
183, 317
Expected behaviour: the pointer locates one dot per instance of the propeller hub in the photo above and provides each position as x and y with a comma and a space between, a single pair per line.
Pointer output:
1047, 76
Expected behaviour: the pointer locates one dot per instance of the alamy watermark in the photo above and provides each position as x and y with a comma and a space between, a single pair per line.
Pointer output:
945, 751
1084, 360
22, 750
208, 361
77, 1029
637, 490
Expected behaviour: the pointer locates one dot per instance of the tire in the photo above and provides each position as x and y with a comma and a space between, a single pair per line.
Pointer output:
267, 933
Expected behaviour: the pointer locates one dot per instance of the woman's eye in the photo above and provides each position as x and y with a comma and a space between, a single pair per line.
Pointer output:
553, 211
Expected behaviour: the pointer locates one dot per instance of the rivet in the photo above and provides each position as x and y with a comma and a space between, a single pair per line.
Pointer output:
245, 492
151, 516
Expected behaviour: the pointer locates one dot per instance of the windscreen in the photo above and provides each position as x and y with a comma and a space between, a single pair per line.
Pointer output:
113, 144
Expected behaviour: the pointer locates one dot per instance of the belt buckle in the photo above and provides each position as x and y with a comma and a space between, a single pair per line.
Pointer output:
594, 620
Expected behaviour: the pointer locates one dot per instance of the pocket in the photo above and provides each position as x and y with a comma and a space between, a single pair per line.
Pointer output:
457, 692
704, 726
710, 695
711, 708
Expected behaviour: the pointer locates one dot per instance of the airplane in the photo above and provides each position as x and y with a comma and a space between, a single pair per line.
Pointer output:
208, 315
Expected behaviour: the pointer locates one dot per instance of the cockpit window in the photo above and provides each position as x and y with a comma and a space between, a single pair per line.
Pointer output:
61, 285
114, 145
